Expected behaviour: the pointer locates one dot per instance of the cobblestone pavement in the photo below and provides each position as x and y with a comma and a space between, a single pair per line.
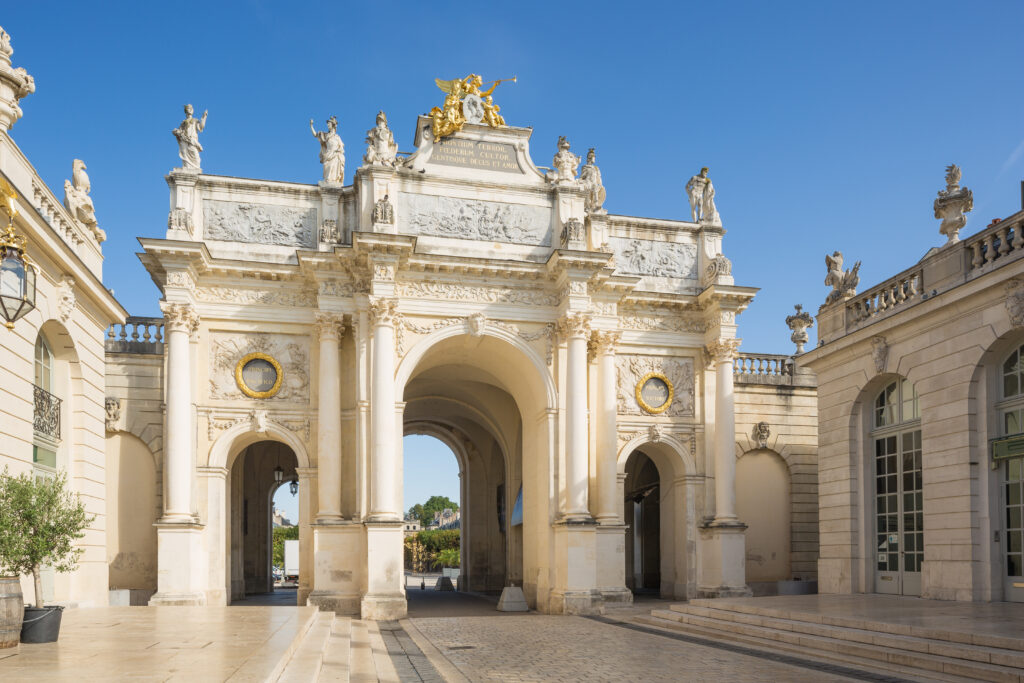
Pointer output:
559, 648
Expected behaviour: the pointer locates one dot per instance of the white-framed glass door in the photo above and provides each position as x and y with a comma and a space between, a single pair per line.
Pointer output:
899, 517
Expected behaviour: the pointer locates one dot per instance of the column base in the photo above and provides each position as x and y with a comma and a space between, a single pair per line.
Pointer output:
384, 607
178, 600
575, 589
338, 568
611, 564
181, 565
341, 604
577, 602
722, 570
385, 571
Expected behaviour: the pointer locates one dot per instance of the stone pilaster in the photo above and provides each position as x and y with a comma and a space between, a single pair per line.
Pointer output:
576, 329
329, 327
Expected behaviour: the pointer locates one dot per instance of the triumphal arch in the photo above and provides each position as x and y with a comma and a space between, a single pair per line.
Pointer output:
464, 292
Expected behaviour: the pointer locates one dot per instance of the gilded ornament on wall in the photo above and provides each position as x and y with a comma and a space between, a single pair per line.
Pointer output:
258, 375
654, 392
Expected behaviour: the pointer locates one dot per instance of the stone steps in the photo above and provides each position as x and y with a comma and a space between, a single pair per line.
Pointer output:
337, 660
934, 653
802, 652
339, 650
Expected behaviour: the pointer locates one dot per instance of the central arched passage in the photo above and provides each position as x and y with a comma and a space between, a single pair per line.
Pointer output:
487, 398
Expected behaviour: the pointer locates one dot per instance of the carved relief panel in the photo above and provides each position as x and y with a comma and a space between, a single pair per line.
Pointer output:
291, 352
632, 370
259, 223
660, 259
475, 220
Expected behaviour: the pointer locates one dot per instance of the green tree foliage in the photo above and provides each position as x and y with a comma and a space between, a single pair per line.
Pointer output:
425, 511
282, 534
423, 550
449, 557
40, 519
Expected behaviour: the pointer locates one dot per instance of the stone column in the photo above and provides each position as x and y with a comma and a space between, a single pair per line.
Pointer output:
607, 429
722, 568
576, 328
180, 319
383, 505
328, 442
723, 352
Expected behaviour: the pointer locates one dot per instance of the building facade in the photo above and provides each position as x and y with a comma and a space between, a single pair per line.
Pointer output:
919, 420
463, 293
52, 371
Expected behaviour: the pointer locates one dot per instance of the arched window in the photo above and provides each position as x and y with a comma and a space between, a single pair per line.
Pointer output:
44, 365
1011, 422
899, 517
46, 410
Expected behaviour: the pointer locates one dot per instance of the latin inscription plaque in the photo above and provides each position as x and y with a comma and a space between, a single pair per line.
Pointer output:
259, 375
489, 156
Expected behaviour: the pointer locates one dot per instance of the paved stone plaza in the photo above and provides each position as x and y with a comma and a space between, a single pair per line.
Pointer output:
459, 637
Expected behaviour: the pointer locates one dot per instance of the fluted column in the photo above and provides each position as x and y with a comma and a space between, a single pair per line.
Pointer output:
576, 328
180, 319
383, 461
329, 326
607, 429
723, 352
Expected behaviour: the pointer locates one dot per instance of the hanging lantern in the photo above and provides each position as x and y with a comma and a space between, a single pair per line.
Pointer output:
17, 274
278, 475
294, 486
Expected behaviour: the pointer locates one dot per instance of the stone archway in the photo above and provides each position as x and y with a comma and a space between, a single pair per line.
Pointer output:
674, 481
224, 479
476, 392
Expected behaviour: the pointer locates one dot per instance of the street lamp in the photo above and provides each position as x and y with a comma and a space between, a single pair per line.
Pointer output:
294, 486
278, 475
17, 274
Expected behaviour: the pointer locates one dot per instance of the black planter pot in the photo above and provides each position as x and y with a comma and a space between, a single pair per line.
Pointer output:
41, 625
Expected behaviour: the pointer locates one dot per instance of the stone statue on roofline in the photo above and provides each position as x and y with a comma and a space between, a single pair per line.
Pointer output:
590, 179
701, 193
332, 151
951, 205
565, 164
381, 147
78, 202
187, 134
843, 282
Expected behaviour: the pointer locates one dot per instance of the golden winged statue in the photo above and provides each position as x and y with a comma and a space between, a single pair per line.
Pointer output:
464, 98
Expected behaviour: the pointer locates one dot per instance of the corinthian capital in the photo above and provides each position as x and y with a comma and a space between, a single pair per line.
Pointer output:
329, 325
574, 325
723, 350
179, 317
605, 341
383, 311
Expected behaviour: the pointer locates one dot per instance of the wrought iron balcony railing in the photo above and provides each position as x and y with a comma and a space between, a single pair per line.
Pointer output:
46, 414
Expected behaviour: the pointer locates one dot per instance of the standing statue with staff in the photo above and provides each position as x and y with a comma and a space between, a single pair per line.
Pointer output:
464, 103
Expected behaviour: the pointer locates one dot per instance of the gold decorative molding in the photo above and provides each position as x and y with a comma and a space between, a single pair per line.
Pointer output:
245, 388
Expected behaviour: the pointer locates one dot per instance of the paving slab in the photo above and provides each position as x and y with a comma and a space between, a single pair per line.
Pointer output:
188, 644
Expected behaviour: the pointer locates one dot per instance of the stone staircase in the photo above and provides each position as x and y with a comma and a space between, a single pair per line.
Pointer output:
897, 649
339, 650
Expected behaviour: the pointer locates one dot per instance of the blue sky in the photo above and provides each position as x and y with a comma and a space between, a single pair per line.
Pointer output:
826, 125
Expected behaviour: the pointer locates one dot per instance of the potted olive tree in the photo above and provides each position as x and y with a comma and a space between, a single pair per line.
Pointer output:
40, 519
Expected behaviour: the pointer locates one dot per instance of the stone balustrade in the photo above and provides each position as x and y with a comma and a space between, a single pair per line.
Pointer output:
136, 335
1000, 243
770, 368
941, 269
901, 290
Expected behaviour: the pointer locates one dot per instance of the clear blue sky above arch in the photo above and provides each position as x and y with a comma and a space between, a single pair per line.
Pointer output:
826, 125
